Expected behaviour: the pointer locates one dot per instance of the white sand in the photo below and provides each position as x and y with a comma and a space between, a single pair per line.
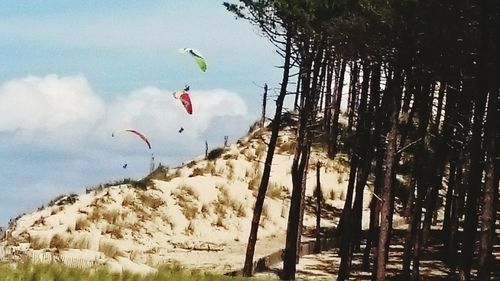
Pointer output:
181, 219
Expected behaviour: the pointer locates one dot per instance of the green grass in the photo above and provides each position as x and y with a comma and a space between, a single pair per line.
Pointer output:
52, 272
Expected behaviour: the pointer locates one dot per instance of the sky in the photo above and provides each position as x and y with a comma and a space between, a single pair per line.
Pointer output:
73, 72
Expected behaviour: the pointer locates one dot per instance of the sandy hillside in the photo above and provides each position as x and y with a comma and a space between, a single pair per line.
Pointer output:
198, 214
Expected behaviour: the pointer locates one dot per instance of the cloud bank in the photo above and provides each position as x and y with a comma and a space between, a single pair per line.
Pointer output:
68, 106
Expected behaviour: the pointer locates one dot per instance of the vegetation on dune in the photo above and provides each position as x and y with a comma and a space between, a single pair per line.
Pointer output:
51, 272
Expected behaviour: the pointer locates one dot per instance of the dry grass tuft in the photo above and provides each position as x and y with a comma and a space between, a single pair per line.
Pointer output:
114, 231
111, 216
249, 173
39, 221
225, 203
151, 201
96, 214
38, 242
187, 200
230, 170
58, 242
198, 172
249, 154
80, 243
254, 182
260, 150
128, 200
265, 212
110, 249
287, 147
82, 223
210, 169
274, 190
230, 156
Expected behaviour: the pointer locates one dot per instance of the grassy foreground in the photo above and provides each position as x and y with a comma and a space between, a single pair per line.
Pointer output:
56, 272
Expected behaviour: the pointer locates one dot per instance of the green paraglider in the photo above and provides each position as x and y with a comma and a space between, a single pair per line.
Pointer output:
197, 56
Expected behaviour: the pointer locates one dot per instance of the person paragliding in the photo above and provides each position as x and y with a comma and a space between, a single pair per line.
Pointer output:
197, 56
183, 96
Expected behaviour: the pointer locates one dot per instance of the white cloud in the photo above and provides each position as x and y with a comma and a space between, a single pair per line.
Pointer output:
48, 104
68, 113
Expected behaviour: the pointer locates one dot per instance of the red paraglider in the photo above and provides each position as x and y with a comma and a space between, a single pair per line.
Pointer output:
185, 99
138, 134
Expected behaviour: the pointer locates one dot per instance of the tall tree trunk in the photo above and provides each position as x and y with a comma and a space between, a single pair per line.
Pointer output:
297, 91
395, 93
335, 124
442, 87
375, 203
319, 198
298, 165
264, 102
450, 191
352, 96
318, 74
345, 224
488, 206
364, 124
476, 171
328, 100
259, 203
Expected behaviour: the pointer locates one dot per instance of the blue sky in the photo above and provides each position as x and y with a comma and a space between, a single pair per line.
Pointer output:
74, 71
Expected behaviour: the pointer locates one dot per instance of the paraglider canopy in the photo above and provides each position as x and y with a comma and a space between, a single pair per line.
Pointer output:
197, 56
137, 133
183, 96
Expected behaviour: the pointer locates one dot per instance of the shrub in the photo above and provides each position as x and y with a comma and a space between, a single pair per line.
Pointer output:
64, 200
215, 153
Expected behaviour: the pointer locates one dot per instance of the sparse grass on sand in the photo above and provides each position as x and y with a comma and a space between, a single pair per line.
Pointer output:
50, 272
